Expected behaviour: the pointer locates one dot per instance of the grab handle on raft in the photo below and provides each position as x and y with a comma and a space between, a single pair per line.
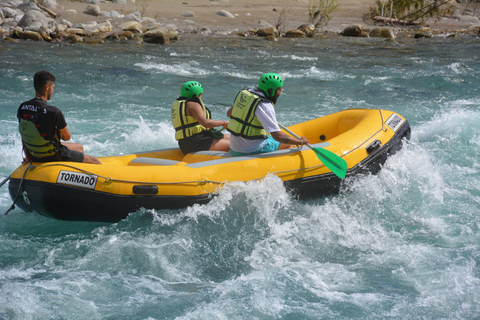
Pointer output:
333, 162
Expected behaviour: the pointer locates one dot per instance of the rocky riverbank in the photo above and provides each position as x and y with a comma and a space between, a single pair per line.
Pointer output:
163, 21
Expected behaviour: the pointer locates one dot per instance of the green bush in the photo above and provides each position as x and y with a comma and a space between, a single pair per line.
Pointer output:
320, 11
410, 10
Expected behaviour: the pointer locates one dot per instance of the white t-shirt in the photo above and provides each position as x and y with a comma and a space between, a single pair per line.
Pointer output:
266, 115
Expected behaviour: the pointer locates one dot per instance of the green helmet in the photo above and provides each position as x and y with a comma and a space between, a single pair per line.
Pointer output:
191, 89
270, 81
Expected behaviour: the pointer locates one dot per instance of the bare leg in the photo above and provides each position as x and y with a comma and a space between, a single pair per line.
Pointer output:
74, 146
78, 147
90, 159
221, 144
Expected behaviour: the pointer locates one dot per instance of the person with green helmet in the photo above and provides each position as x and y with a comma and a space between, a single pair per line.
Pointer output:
253, 124
193, 122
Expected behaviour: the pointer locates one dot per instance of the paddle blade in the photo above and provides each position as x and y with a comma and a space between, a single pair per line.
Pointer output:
333, 162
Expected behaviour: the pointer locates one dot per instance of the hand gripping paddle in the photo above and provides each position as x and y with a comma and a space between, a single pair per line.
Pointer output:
333, 162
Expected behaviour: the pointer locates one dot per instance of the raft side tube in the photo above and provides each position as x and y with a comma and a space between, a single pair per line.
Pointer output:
152, 161
250, 157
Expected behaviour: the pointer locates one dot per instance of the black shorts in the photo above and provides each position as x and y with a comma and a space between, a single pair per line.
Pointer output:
197, 142
63, 154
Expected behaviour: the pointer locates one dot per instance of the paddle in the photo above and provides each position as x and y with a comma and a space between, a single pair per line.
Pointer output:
5, 180
333, 162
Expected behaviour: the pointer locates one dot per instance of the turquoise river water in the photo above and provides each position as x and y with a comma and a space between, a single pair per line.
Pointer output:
402, 244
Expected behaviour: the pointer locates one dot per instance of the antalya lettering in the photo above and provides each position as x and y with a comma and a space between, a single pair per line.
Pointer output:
77, 179
29, 107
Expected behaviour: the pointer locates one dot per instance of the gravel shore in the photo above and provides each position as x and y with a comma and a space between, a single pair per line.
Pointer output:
172, 19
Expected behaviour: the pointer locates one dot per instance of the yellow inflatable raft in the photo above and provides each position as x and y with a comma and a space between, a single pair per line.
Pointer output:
167, 178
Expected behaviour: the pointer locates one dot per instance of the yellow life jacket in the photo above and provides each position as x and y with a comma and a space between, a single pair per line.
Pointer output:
36, 145
243, 121
186, 126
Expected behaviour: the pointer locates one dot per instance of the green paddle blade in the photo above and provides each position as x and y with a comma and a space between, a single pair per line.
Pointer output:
333, 162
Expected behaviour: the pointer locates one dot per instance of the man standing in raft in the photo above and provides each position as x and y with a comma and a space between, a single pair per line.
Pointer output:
42, 126
193, 122
253, 123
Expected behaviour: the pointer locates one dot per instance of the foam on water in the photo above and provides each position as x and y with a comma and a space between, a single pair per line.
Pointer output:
162, 260
191, 69
149, 136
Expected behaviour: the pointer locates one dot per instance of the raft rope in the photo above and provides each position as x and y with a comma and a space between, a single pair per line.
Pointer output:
121, 180
30, 167
201, 182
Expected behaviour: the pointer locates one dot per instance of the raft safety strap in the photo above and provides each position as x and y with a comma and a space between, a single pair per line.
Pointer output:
200, 182
203, 181
30, 167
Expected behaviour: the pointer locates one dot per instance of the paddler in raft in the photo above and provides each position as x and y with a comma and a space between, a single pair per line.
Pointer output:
43, 126
193, 123
253, 124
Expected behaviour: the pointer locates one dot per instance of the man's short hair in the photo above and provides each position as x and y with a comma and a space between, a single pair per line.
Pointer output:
41, 78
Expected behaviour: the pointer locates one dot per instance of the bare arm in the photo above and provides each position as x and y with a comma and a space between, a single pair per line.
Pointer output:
27, 154
229, 112
65, 134
196, 111
286, 139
